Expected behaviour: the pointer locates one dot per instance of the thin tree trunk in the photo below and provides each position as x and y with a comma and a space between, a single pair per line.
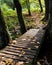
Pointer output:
47, 9
28, 7
20, 17
4, 37
40, 6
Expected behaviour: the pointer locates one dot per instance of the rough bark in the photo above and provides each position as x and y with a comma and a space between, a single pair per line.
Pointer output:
4, 37
20, 17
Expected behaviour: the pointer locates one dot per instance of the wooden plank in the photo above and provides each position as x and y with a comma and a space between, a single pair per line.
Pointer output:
17, 54
17, 51
21, 48
25, 59
30, 34
16, 46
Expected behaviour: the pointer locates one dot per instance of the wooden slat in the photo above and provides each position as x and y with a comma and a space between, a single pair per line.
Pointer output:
5, 55
17, 54
16, 46
29, 43
17, 51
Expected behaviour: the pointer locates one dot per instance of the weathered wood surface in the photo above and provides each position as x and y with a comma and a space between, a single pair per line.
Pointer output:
26, 48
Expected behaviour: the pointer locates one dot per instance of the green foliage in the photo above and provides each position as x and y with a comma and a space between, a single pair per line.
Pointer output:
10, 14
9, 3
4, 7
11, 22
34, 4
6, 10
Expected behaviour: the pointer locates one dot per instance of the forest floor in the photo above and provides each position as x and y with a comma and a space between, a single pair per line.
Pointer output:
35, 20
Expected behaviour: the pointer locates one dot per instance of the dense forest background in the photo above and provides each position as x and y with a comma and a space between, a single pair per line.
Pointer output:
10, 16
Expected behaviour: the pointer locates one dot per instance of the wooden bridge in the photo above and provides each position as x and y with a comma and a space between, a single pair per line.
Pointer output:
26, 48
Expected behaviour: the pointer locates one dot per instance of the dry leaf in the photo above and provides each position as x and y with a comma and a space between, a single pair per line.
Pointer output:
38, 42
2, 63
24, 39
9, 60
29, 48
20, 63
36, 46
32, 42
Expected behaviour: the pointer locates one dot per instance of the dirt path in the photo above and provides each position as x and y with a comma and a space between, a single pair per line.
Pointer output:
35, 19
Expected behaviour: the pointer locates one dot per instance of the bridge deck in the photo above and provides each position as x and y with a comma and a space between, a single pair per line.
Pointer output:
26, 48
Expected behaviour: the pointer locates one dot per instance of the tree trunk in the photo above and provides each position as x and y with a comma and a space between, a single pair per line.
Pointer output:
46, 49
20, 17
50, 20
28, 7
4, 37
40, 6
46, 9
